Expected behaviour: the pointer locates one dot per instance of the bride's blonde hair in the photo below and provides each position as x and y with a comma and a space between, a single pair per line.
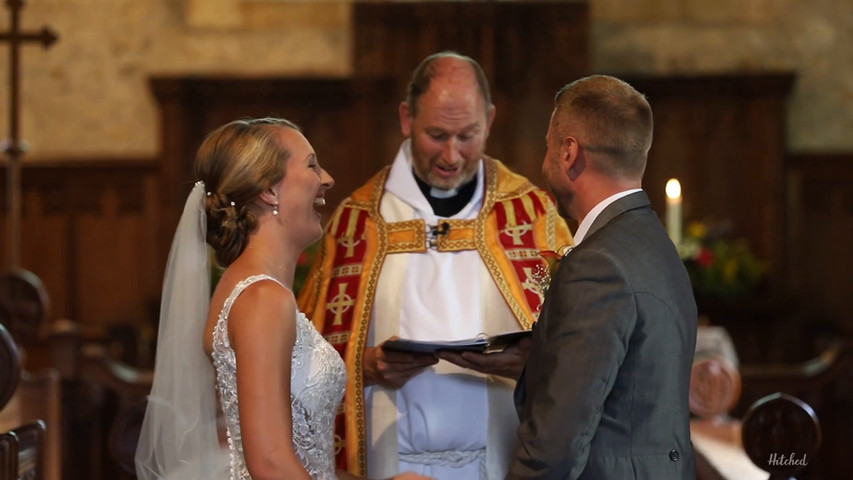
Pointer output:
237, 162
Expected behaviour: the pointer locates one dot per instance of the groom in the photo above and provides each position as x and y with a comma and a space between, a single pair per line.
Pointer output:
604, 392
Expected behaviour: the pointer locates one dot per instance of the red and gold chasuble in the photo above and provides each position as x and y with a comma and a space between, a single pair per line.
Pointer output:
516, 222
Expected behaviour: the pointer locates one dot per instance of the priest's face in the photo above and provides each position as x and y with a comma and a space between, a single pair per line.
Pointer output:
448, 130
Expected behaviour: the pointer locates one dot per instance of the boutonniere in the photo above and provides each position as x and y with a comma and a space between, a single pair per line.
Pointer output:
542, 274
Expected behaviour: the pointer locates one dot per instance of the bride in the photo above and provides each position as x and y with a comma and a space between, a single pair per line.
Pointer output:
246, 348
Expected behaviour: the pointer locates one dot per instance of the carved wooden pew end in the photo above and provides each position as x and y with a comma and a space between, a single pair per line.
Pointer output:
781, 434
22, 452
10, 367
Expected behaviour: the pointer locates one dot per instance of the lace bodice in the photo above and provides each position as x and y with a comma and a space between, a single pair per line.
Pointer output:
318, 378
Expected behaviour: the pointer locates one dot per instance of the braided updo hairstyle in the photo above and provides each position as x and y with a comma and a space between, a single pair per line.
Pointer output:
237, 162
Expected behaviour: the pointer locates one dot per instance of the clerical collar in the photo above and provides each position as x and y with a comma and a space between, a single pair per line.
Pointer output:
446, 203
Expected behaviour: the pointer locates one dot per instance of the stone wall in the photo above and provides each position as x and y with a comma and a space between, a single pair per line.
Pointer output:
89, 96
707, 36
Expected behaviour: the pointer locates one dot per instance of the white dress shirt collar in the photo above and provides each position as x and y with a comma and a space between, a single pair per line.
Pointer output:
587, 222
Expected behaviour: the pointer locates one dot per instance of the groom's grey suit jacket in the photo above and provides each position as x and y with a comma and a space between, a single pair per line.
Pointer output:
604, 392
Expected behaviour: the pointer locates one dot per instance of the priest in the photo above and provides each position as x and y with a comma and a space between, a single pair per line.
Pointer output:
443, 244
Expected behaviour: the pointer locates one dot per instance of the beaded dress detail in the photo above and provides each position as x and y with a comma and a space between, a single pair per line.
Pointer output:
318, 379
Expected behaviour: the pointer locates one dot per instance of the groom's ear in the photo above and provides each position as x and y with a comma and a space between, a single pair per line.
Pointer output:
571, 158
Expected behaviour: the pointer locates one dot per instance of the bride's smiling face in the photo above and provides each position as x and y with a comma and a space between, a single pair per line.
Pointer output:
303, 188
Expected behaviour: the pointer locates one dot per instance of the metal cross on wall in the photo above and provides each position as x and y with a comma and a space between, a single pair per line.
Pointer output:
14, 147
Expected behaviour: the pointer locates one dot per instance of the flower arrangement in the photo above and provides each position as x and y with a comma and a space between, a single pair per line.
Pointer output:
718, 265
541, 275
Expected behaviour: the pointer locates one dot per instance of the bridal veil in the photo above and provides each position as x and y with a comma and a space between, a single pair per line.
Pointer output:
179, 434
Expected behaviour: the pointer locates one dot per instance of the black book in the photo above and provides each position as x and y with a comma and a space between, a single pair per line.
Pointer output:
479, 344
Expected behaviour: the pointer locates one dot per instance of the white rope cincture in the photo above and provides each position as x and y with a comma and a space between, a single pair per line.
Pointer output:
448, 458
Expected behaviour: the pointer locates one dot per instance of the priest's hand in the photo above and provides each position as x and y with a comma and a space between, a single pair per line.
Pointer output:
508, 363
393, 369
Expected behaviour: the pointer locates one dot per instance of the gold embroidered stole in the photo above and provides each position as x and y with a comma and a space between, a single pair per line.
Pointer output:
511, 229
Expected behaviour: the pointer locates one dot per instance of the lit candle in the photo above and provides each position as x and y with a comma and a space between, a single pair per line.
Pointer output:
673, 211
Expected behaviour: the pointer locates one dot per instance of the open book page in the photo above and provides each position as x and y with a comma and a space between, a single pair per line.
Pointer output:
480, 344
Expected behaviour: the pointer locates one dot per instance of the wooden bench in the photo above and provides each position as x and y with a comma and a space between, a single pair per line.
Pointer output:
101, 395
27, 449
779, 435
22, 453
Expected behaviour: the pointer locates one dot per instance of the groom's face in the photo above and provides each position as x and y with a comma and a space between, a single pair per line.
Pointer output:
554, 171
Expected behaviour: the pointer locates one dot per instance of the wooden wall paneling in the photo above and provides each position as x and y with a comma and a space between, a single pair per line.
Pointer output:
723, 137
114, 261
392, 38
341, 118
820, 206
43, 223
528, 50
88, 235
539, 48
180, 134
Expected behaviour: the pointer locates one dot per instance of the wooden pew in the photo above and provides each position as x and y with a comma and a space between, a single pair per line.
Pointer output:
8, 456
715, 387
80, 391
29, 403
129, 386
781, 435
22, 452
24, 304
99, 390
10, 366
721, 395
37, 400
826, 384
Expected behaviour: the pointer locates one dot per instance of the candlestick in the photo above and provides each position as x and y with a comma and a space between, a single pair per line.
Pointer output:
673, 210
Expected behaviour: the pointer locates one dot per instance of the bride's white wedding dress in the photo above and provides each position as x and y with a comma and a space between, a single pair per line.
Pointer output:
318, 379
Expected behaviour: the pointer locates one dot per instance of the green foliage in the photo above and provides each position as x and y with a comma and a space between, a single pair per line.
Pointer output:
303, 266
718, 265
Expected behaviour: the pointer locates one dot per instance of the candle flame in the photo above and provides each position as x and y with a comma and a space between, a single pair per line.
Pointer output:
673, 188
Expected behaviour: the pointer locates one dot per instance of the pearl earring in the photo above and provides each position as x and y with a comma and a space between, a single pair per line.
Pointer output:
275, 209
